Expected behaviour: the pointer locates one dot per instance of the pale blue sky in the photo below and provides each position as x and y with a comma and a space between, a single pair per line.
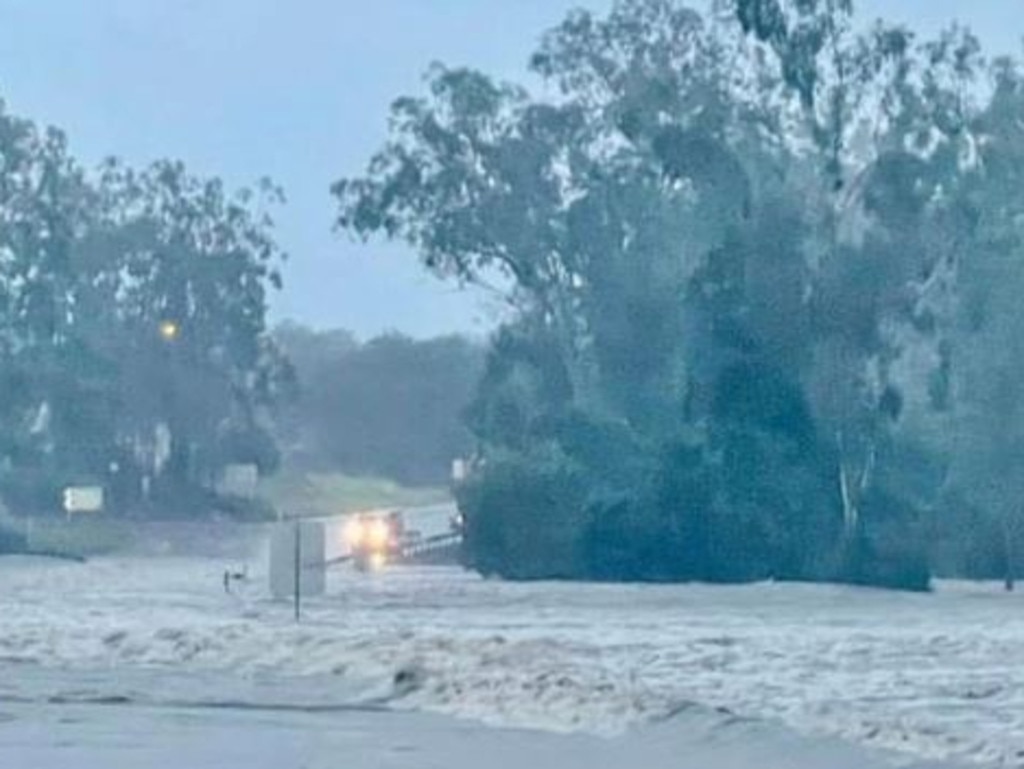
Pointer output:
299, 91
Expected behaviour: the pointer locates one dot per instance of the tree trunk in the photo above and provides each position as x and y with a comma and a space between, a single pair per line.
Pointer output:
845, 492
849, 506
852, 488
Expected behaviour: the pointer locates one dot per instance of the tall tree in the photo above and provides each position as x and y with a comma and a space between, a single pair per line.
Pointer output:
735, 249
990, 451
132, 307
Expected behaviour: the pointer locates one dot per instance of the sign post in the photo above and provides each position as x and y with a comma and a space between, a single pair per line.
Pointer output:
298, 570
297, 561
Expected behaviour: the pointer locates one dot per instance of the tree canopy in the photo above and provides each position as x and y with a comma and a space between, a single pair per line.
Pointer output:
758, 260
391, 407
133, 347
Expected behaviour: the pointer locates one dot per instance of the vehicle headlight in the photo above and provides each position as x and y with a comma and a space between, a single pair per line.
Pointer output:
355, 533
377, 534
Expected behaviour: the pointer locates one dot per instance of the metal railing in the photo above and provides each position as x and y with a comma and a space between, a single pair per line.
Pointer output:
412, 551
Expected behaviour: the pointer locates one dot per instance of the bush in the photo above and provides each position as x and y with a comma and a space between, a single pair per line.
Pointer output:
669, 532
524, 518
968, 542
889, 550
11, 540
31, 492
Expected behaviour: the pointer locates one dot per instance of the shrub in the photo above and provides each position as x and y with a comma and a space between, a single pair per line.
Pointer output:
523, 517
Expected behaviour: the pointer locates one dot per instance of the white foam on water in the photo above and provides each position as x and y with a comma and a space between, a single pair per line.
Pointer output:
933, 676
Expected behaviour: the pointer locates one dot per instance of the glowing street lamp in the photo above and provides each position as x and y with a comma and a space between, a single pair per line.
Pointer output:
169, 330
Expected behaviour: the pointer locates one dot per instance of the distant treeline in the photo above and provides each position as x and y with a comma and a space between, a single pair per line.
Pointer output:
392, 407
766, 271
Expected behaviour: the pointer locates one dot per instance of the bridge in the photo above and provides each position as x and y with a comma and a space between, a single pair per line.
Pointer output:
437, 550
300, 557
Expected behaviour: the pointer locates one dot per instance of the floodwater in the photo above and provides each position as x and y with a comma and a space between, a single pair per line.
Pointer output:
150, 658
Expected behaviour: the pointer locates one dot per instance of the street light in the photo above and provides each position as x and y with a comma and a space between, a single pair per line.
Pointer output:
169, 330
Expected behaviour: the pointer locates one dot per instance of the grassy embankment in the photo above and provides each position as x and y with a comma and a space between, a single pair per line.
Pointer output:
320, 494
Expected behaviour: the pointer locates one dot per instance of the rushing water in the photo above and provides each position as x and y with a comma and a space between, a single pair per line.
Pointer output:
933, 676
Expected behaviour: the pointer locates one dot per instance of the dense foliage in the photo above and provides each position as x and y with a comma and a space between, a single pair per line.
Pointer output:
764, 269
133, 352
391, 407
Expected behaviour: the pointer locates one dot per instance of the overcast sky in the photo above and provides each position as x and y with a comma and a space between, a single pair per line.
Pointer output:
299, 91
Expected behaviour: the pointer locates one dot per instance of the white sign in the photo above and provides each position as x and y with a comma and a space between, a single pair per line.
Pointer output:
83, 499
305, 541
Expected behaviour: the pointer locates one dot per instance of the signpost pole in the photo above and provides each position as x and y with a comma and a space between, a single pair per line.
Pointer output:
298, 569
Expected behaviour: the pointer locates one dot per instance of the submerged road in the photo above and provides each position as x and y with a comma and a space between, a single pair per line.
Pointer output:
149, 658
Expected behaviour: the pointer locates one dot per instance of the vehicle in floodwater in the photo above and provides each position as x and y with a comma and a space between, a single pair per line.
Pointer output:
376, 539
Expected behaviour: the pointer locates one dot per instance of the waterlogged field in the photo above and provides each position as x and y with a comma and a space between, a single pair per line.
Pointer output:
930, 676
